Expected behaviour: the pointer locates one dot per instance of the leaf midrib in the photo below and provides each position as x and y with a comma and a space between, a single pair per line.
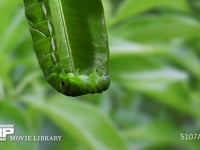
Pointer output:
67, 42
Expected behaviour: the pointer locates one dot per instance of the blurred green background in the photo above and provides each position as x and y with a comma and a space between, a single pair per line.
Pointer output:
154, 96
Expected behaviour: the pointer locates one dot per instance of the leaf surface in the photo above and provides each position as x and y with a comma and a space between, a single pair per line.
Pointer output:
83, 122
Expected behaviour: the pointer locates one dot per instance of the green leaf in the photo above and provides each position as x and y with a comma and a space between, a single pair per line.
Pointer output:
136, 7
129, 63
108, 10
191, 61
70, 41
138, 68
14, 27
70, 143
161, 132
83, 122
120, 46
11, 9
153, 28
173, 52
12, 114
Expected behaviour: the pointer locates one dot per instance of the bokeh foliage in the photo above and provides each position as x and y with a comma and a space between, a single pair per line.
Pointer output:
155, 90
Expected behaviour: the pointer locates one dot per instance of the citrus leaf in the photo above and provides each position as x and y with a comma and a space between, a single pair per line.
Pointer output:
83, 122
153, 28
70, 41
135, 7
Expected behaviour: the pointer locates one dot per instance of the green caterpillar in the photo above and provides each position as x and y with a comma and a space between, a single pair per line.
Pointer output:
70, 42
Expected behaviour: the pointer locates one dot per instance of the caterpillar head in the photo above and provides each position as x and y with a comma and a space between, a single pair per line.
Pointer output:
71, 84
